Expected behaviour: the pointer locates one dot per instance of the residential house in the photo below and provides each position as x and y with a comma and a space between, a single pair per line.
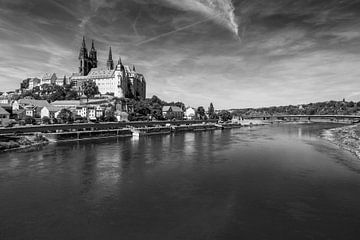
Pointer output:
49, 78
99, 112
50, 112
4, 116
32, 107
5, 99
34, 82
172, 112
30, 111
70, 104
81, 111
61, 81
8, 108
190, 113
121, 116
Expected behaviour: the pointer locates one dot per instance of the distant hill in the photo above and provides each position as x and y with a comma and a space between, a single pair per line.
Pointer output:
319, 108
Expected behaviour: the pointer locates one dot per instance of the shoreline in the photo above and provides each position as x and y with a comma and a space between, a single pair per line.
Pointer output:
18, 143
347, 138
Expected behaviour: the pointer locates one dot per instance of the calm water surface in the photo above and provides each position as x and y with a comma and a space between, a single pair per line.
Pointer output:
277, 182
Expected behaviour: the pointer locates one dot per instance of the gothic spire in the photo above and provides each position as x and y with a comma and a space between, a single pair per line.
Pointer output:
134, 68
92, 45
83, 51
83, 42
110, 62
119, 62
110, 55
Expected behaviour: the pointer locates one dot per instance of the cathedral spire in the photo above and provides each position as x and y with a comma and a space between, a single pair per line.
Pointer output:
83, 50
92, 45
83, 42
110, 62
110, 55
134, 68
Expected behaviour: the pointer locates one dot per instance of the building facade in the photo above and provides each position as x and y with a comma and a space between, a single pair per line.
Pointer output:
119, 80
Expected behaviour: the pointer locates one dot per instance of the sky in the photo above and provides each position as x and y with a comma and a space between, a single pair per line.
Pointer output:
236, 54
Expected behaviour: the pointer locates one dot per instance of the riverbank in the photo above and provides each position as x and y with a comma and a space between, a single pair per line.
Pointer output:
11, 143
347, 137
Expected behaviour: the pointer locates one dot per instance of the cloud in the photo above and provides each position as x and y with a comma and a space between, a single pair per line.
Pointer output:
220, 11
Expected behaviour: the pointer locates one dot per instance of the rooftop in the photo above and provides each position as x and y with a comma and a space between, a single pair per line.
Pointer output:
3, 111
37, 103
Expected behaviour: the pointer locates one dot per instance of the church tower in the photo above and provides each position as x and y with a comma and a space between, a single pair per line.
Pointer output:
84, 59
110, 62
93, 56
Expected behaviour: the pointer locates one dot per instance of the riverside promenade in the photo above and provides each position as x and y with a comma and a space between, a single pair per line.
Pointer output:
95, 126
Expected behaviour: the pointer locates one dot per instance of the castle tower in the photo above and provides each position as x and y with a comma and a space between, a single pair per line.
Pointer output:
110, 62
93, 55
119, 65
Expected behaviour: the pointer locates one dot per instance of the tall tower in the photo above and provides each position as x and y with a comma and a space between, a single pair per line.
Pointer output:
84, 59
93, 56
110, 62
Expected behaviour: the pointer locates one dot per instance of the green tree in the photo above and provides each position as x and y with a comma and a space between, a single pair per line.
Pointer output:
45, 120
57, 94
29, 120
201, 113
225, 115
66, 116
211, 111
90, 89
110, 115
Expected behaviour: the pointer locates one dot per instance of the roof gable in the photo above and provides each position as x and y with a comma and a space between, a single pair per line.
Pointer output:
3, 111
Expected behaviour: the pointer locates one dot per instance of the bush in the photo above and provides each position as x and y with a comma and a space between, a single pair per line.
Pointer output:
29, 120
46, 120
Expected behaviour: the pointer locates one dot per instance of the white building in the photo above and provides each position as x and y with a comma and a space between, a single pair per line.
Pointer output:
190, 113
49, 78
34, 82
81, 111
109, 81
50, 112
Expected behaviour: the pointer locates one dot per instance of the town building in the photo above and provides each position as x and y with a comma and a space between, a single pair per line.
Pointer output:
172, 112
50, 112
61, 81
190, 113
34, 82
48, 78
4, 115
118, 80
21, 103
5, 98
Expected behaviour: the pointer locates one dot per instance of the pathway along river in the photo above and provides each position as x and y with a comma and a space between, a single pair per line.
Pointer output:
271, 182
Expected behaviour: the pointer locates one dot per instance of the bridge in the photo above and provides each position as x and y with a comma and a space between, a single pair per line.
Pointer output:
308, 117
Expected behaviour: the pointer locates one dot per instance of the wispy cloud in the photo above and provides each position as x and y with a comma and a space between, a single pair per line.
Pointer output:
220, 11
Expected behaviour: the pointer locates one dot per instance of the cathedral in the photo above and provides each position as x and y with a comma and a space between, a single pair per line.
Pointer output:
119, 80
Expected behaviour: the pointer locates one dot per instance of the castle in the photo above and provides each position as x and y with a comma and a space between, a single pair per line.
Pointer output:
119, 80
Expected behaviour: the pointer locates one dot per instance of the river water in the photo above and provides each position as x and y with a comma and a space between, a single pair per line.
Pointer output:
271, 182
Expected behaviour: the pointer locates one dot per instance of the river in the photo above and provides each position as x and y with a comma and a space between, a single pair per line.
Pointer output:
270, 182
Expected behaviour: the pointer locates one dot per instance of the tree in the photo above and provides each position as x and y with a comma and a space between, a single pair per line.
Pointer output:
211, 111
66, 116
45, 120
29, 120
90, 89
225, 115
57, 94
110, 115
201, 113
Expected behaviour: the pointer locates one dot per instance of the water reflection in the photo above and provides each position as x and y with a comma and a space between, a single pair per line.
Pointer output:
227, 184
